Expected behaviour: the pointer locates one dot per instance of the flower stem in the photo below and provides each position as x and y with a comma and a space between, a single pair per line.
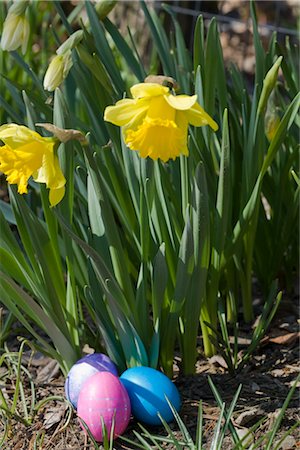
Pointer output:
208, 317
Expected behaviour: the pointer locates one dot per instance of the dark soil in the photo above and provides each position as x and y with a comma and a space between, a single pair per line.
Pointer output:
265, 381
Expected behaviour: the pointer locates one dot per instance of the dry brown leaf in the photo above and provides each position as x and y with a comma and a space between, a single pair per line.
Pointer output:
161, 79
62, 134
48, 372
219, 360
285, 339
53, 415
248, 415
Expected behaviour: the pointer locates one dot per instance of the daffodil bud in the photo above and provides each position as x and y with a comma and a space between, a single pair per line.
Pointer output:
57, 71
61, 64
18, 7
16, 28
272, 122
268, 86
70, 43
104, 7
271, 119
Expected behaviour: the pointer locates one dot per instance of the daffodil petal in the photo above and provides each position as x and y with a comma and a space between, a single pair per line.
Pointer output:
56, 195
158, 107
182, 123
198, 117
181, 102
59, 180
148, 90
50, 172
124, 111
16, 135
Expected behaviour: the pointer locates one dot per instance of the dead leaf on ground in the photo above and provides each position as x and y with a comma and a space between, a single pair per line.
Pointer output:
247, 416
219, 360
285, 339
54, 415
48, 373
281, 339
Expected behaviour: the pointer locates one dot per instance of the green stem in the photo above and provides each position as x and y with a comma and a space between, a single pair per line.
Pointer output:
247, 299
211, 318
249, 249
230, 307
232, 294
53, 235
184, 184
117, 254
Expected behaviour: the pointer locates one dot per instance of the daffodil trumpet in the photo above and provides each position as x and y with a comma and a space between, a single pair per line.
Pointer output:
155, 122
26, 153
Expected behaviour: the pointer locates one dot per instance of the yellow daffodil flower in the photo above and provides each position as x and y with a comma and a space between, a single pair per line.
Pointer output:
155, 122
24, 154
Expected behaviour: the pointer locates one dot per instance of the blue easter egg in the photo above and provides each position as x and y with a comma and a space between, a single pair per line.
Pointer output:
147, 389
84, 368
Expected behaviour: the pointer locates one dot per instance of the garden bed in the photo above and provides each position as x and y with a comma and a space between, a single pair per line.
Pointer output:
265, 381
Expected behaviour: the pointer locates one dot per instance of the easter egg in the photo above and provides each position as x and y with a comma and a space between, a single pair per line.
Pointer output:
103, 395
84, 368
147, 389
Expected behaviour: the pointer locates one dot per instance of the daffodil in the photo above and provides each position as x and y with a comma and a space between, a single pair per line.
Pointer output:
272, 122
24, 154
15, 33
155, 122
104, 7
61, 63
57, 71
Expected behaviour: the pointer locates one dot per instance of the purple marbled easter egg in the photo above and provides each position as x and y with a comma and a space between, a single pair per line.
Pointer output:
81, 371
103, 395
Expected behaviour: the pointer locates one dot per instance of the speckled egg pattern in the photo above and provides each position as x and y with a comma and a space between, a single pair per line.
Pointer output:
82, 370
103, 395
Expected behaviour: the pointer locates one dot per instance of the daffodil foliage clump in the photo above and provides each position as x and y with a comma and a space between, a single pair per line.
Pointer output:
147, 198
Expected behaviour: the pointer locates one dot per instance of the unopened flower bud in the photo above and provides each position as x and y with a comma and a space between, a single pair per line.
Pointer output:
16, 28
268, 85
271, 119
57, 71
104, 7
70, 43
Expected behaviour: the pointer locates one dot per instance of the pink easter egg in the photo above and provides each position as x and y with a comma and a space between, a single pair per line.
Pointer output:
103, 395
84, 369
